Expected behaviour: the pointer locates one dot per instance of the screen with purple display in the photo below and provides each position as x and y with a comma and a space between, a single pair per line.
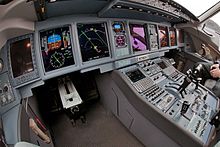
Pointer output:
138, 39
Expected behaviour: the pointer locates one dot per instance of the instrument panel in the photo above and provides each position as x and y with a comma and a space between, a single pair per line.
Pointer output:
89, 44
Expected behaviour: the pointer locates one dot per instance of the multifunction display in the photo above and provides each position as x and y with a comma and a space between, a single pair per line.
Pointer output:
172, 32
93, 41
56, 48
138, 39
21, 59
135, 75
163, 35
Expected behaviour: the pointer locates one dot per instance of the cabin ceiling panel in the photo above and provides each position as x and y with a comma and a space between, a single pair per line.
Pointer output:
16, 18
68, 7
18, 9
118, 13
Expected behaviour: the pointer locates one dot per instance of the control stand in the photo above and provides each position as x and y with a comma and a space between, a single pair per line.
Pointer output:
71, 100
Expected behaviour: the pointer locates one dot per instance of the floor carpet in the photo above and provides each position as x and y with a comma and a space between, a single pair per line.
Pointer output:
102, 129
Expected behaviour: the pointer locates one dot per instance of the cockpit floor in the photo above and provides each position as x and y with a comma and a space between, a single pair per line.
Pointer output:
102, 129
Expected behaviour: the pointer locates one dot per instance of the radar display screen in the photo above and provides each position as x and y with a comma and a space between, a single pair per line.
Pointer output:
56, 48
172, 32
163, 35
138, 40
21, 58
135, 75
93, 41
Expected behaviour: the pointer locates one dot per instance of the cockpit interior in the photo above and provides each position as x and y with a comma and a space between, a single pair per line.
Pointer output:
108, 73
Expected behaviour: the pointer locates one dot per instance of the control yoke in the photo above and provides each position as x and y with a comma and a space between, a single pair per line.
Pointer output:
192, 76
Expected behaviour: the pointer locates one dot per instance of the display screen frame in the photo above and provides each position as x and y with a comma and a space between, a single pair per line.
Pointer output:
26, 77
72, 58
95, 59
143, 26
166, 42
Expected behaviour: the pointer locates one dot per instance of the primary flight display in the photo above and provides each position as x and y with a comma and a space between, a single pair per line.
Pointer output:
56, 48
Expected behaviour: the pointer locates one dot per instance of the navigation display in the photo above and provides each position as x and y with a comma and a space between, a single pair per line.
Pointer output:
93, 41
56, 48
21, 58
138, 39
163, 35
172, 32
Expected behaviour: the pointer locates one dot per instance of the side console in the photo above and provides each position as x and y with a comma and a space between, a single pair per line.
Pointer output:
158, 84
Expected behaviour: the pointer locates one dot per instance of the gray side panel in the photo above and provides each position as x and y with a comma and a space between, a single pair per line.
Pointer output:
10, 125
137, 123
156, 117
24, 126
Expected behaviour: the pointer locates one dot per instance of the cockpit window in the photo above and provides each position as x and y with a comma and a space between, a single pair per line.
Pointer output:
216, 20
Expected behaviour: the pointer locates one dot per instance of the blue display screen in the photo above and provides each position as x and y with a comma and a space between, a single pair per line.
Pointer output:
117, 26
53, 38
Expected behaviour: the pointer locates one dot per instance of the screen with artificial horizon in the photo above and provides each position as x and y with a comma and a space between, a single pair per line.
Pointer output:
56, 48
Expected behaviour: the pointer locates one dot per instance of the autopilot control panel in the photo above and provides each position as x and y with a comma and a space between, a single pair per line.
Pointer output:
159, 84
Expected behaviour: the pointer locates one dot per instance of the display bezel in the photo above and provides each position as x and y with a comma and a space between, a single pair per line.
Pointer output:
71, 43
107, 39
27, 77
